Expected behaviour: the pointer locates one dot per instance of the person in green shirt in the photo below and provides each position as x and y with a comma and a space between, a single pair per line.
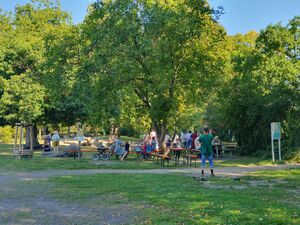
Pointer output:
206, 151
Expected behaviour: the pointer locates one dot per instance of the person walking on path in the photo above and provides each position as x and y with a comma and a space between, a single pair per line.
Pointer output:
206, 151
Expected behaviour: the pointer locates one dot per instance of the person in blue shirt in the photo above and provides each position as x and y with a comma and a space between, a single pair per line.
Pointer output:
119, 148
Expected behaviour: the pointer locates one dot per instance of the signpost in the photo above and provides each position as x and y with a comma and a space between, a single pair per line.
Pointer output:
276, 135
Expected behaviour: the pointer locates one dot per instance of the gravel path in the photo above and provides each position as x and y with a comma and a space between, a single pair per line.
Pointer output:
219, 171
25, 202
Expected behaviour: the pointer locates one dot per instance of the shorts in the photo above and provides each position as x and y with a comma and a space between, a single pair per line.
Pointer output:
55, 143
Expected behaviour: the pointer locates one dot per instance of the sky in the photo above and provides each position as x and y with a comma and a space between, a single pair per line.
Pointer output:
240, 16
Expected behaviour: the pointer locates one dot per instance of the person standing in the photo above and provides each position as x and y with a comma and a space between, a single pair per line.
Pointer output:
153, 135
119, 149
189, 139
194, 136
55, 140
206, 151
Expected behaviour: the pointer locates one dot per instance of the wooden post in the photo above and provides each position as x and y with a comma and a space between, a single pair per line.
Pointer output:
21, 138
279, 149
16, 137
273, 153
31, 138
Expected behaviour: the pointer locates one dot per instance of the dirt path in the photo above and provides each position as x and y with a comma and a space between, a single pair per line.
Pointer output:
220, 171
26, 202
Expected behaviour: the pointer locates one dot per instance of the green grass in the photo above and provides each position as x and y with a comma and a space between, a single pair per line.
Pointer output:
178, 199
40, 163
245, 161
6, 149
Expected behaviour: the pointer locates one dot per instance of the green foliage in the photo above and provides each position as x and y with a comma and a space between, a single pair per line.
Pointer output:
22, 99
265, 89
156, 54
6, 134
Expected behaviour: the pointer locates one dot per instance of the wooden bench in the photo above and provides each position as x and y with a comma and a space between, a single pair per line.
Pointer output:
22, 153
189, 158
229, 147
163, 158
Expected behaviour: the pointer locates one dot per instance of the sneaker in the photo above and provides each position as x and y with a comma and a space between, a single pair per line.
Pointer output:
212, 175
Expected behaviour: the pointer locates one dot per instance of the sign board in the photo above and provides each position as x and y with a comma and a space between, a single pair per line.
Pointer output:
275, 130
276, 135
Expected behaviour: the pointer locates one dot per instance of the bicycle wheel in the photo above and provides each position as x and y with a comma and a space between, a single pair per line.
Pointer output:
105, 156
95, 156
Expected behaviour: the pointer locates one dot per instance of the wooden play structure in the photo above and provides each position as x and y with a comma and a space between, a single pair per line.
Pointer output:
19, 151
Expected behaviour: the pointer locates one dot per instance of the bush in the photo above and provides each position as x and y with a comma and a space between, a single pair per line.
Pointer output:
292, 154
7, 134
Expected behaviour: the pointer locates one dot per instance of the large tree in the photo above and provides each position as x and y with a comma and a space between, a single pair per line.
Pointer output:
164, 54
22, 53
264, 88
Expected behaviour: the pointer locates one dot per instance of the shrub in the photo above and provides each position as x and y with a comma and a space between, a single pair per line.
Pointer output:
7, 134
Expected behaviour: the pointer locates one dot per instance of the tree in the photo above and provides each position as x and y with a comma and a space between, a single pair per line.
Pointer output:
21, 54
265, 89
164, 53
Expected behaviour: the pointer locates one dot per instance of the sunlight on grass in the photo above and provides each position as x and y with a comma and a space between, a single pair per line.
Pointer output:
178, 204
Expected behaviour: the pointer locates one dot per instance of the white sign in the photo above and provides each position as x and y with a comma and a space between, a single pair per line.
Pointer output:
276, 135
275, 130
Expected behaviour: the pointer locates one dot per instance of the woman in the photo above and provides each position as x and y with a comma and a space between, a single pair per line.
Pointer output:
55, 140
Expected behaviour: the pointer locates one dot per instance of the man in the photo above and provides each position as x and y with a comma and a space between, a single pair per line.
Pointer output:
206, 151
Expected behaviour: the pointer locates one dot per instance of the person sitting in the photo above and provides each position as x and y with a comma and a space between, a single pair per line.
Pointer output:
47, 143
217, 146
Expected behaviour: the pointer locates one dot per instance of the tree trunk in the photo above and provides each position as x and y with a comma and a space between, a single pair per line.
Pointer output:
45, 130
35, 142
113, 133
69, 131
161, 131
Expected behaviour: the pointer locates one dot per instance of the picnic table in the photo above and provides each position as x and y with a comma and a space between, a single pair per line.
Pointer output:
78, 151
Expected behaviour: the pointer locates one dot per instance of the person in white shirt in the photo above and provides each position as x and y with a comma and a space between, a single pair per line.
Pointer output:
153, 135
55, 140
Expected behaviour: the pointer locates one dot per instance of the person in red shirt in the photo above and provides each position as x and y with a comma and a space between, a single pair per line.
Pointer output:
194, 136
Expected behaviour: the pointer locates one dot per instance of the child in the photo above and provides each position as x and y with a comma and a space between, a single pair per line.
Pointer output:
206, 151
127, 145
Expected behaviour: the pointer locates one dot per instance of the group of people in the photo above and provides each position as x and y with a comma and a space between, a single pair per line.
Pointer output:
54, 139
149, 144
187, 139
191, 140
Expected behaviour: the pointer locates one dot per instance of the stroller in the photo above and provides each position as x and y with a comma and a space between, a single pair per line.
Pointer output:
47, 148
104, 153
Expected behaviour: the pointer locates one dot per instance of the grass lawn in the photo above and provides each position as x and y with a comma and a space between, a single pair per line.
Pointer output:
41, 163
179, 199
